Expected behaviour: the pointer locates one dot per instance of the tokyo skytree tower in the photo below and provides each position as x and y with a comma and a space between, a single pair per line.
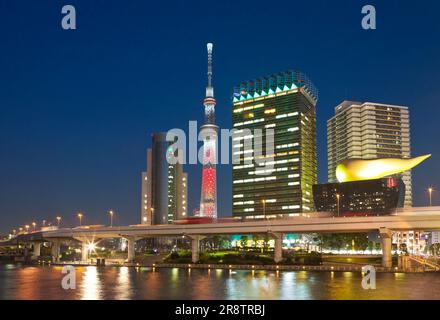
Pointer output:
208, 199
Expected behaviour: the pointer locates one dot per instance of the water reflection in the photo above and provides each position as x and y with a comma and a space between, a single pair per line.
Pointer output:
125, 287
174, 274
17, 282
91, 288
296, 285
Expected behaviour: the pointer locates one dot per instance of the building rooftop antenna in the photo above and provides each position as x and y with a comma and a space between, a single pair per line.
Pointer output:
209, 88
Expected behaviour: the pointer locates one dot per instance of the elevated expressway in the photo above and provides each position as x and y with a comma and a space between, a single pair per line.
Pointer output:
426, 219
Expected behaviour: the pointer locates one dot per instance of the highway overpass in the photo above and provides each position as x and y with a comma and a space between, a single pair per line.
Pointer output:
424, 218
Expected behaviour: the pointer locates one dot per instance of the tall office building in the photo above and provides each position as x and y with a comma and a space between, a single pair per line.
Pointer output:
284, 102
164, 185
367, 130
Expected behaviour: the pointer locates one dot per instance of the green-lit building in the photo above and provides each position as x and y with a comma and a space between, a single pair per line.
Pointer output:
284, 102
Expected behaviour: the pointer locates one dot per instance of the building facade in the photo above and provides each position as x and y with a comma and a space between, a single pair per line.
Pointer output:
434, 237
366, 130
285, 103
164, 185
413, 242
358, 198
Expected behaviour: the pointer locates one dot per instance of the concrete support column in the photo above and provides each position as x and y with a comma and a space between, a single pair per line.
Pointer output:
26, 250
278, 250
130, 246
195, 247
385, 236
403, 262
55, 250
84, 251
37, 249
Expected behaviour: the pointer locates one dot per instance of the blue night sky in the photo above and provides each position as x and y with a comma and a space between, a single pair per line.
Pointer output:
77, 107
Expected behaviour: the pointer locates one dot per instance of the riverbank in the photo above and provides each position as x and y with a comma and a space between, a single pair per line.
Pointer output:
323, 268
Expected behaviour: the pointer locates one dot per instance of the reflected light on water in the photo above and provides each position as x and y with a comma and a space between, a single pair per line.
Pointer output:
91, 285
251, 285
175, 274
28, 290
124, 288
20, 282
296, 285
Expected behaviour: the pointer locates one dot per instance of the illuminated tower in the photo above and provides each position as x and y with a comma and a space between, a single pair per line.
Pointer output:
208, 199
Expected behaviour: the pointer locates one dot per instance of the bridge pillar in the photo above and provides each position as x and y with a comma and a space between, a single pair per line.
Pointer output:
278, 249
55, 250
130, 249
385, 236
26, 250
403, 262
84, 251
37, 250
195, 247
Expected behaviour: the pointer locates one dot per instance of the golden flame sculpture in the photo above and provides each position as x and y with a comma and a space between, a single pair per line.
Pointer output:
357, 169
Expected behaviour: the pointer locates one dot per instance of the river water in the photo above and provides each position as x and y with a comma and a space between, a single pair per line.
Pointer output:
27, 282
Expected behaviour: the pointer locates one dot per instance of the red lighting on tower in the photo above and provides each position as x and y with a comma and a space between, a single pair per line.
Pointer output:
208, 198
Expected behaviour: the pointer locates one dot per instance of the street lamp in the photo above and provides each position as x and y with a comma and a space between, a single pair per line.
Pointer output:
338, 196
264, 207
34, 225
151, 215
111, 213
27, 228
59, 220
80, 215
430, 189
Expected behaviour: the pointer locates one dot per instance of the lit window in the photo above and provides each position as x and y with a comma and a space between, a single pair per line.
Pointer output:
270, 111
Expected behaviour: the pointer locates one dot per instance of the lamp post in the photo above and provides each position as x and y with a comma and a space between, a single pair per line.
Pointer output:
34, 225
80, 215
264, 208
151, 215
338, 196
58, 220
430, 189
110, 212
27, 228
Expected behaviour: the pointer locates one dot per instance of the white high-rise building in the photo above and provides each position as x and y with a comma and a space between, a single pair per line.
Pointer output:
369, 130
164, 185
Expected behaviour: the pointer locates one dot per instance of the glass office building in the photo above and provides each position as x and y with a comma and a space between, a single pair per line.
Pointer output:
285, 103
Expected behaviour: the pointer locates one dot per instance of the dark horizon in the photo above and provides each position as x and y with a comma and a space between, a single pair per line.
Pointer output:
78, 107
